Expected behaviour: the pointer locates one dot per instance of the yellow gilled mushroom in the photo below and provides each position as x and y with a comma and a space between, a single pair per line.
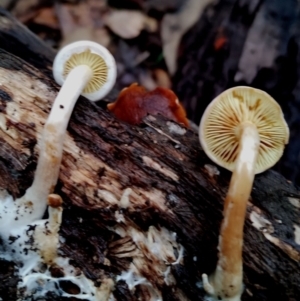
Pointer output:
81, 68
244, 131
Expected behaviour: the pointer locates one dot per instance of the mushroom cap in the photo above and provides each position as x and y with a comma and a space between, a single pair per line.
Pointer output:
221, 125
92, 54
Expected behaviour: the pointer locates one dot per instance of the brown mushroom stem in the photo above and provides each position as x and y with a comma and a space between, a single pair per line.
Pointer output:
226, 282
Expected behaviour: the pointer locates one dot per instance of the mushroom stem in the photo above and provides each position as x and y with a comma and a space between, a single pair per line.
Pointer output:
226, 282
51, 147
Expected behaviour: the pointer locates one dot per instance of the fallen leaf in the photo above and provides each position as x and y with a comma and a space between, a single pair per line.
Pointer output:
72, 17
5, 3
99, 35
261, 48
47, 17
78, 23
129, 23
175, 25
162, 78
146, 80
25, 10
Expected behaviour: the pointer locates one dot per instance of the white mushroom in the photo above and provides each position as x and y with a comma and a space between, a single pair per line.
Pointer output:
85, 68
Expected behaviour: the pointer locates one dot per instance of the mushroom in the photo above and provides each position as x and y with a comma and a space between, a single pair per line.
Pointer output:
244, 131
82, 67
46, 237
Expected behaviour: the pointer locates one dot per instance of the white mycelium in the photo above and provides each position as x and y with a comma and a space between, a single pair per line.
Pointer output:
34, 250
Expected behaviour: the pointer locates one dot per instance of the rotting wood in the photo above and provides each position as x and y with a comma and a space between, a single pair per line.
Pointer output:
174, 187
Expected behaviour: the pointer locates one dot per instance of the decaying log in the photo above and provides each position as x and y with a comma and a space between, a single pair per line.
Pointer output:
174, 189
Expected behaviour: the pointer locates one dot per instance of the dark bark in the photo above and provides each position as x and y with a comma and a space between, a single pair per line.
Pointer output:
173, 182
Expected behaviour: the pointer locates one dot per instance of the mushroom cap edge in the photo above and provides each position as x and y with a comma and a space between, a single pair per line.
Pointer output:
245, 89
65, 54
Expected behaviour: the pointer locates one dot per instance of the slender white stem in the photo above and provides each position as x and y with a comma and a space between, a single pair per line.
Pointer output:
227, 281
51, 146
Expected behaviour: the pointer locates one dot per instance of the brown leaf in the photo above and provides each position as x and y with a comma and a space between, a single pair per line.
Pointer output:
25, 10
162, 78
46, 16
129, 23
79, 23
175, 25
